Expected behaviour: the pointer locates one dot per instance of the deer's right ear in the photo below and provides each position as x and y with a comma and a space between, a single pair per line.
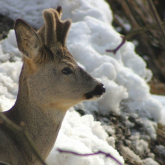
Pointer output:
27, 39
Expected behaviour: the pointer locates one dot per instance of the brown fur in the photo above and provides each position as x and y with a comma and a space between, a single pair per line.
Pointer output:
50, 82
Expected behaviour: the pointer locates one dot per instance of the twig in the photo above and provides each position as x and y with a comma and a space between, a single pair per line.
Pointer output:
138, 18
118, 47
156, 16
23, 131
134, 14
91, 154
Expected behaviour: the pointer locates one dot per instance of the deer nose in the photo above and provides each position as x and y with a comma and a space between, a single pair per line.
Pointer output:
99, 89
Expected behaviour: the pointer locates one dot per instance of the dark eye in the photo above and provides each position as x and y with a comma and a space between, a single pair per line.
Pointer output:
67, 71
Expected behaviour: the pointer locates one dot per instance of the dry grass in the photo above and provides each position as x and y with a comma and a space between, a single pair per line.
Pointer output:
151, 43
161, 134
157, 87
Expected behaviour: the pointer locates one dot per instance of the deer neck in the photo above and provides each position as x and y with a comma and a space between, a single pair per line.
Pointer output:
42, 124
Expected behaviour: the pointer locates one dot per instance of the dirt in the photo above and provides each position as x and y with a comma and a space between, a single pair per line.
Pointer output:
128, 131
5, 25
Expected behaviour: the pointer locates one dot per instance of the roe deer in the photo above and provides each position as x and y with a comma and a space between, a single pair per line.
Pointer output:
50, 83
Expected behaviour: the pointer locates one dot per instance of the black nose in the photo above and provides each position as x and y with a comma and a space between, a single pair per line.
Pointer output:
99, 89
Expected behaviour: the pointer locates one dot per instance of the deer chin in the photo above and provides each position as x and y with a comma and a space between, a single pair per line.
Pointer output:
93, 98
96, 93
64, 105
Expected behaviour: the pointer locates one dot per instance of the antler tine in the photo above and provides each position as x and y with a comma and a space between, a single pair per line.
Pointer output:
50, 27
55, 29
62, 30
59, 9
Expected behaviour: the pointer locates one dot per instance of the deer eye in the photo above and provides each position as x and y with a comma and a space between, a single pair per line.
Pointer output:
67, 71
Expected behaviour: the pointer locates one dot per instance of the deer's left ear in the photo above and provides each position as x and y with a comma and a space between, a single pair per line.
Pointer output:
27, 39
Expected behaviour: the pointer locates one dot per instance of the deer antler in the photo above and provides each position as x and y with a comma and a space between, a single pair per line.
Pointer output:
55, 29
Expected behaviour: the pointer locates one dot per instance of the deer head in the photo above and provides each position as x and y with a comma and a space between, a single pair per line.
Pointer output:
53, 76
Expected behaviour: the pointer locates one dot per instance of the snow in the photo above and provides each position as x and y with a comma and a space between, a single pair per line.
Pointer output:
82, 135
161, 99
124, 75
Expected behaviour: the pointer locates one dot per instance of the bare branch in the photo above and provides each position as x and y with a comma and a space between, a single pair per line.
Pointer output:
134, 14
118, 47
156, 16
91, 154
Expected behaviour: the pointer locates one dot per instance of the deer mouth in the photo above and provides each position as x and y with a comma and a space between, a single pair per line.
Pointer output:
97, 92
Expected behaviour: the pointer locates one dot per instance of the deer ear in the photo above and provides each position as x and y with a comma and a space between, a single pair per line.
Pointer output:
27, 39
